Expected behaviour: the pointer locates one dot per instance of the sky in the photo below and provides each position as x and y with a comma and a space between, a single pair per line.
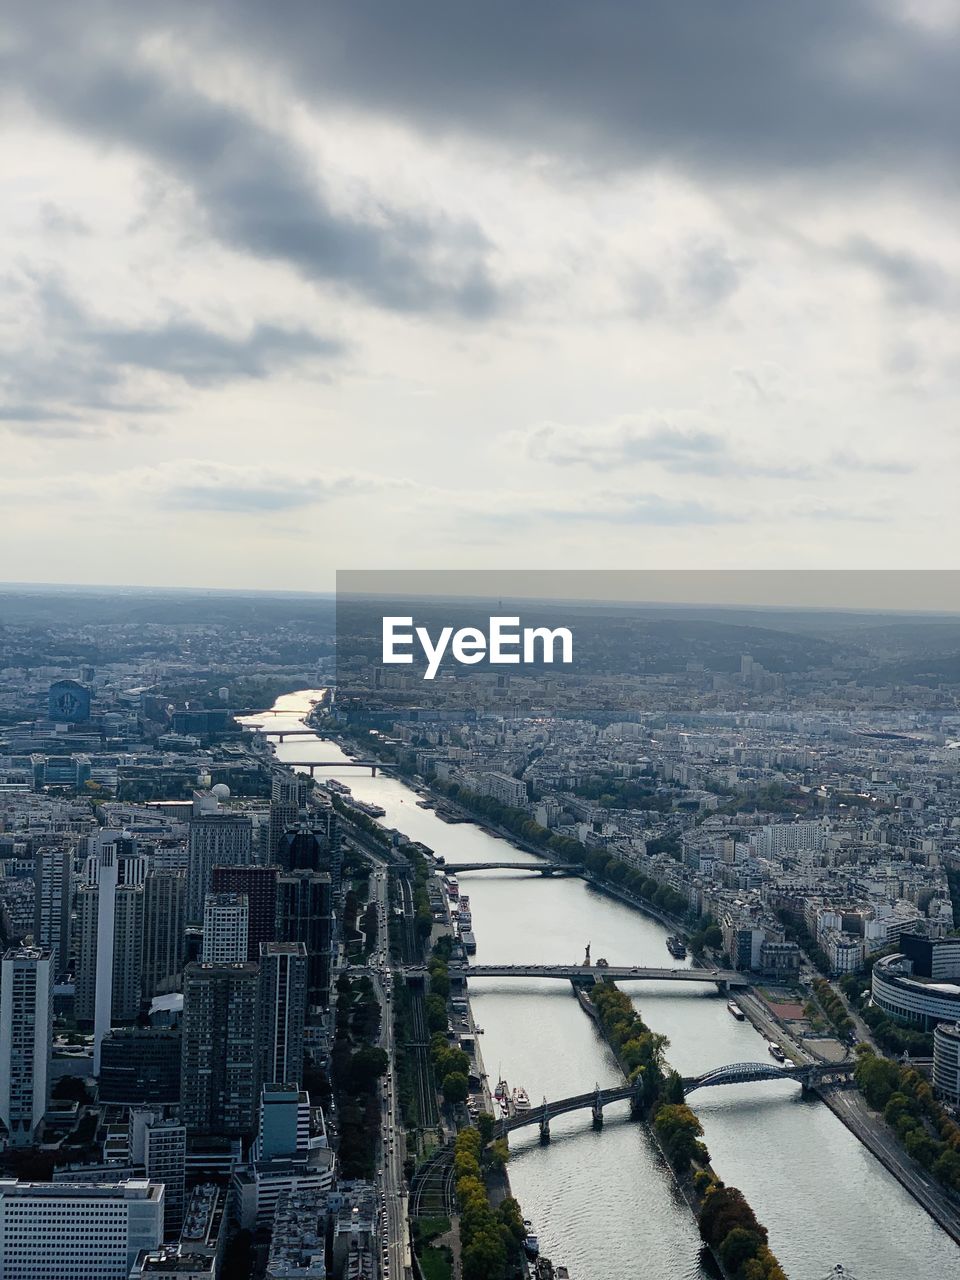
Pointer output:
292, 289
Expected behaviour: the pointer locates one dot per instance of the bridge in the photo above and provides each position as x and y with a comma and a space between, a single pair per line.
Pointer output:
808, 1076
541, 868
596, 1100
721, 978
736, 1073
335, 765
281, 734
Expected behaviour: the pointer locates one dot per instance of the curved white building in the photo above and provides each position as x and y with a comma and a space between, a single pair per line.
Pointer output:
946, 1060
923, 1002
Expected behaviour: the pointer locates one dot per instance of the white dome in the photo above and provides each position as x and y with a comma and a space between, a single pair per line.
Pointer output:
221, 791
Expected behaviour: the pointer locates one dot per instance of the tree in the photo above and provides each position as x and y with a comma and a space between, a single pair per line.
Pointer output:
511, 1217
878, 1079
367, 1066
485, 1123
723, 1209
436, 1013
737, 1246
440, 984
456, 1087
70, 1088
678, 1130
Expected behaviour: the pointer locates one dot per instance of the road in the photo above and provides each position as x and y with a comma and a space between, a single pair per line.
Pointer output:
391, 1185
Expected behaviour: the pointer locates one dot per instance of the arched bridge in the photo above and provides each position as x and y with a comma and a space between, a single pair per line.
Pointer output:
578, 972
541, 868
595, 1101
809, 1075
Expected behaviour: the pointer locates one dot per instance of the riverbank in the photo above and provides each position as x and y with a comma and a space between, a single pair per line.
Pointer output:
850, 1108
495, 829
536, 1031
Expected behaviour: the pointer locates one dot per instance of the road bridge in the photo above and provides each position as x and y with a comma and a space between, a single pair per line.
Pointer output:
721, 978
541, 868
336, 765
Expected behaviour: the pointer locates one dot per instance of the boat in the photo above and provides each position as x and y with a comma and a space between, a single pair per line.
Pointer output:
469, 942
521, 1100
776, 1052
531, 1246
587, 1005
734, 1008
676, 947
502, 1090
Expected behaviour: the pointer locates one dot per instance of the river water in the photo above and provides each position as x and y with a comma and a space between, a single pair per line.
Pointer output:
602, 1202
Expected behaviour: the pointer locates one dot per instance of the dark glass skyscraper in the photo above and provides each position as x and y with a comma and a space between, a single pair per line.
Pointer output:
305, 914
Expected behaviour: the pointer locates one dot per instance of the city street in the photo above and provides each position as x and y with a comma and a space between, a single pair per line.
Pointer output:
395, 1247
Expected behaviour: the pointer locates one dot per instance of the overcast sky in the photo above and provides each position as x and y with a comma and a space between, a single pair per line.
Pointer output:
292, 288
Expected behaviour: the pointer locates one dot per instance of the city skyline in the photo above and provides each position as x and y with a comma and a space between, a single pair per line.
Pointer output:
690, 299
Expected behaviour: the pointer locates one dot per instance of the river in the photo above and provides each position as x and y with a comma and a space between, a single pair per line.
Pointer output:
601, 1202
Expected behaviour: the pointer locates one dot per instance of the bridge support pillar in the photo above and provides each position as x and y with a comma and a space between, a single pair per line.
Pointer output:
636, 1100
544, 1129
723, 988
597, 1114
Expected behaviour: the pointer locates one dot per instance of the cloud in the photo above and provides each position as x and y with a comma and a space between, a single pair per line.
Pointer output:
82, 366
845, 460
711, 276
61, 221
255, 190
202, 357
842, 92
249, 490
633, 441
910, 280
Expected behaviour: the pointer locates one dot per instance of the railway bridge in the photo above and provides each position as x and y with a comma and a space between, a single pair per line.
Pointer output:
808, 1076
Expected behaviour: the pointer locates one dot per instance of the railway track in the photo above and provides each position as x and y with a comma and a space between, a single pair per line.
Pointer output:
432, 1193
426, 1093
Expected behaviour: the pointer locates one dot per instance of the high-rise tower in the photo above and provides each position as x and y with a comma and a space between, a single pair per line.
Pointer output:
26, 1036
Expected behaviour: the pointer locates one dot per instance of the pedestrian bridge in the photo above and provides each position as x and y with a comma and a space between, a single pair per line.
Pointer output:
722, 978
809, 1076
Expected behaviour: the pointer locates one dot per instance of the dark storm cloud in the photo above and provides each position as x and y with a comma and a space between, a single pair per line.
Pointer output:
735, 88
255, 190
